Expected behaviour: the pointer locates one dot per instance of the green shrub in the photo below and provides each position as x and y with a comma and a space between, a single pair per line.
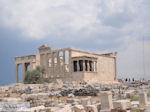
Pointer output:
134, 99
36, 76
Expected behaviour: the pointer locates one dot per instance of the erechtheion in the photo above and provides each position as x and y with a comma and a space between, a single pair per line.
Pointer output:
68, 64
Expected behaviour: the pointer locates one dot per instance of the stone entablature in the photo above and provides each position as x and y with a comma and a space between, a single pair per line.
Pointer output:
29, 58
71, 65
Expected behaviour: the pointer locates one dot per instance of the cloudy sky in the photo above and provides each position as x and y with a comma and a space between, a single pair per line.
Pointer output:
93, 25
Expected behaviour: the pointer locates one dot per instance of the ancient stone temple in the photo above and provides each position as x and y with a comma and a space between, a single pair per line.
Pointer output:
69, 64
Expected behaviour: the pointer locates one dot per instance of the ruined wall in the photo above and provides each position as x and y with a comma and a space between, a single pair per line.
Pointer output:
35, 63
56, 62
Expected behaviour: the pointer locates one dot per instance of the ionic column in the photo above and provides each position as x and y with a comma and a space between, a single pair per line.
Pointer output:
58, 62
115, 59
95, 66
64, 69
70, 64
46, 66
16, 66
52, 60
24, 71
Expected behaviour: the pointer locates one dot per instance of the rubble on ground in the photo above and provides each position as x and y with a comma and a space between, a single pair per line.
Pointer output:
60, 97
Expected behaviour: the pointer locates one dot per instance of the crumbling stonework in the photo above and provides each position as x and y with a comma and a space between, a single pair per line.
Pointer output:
70, 65
49, 98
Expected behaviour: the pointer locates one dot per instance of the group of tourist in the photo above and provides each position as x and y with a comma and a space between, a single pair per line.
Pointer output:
129, 80
125, 80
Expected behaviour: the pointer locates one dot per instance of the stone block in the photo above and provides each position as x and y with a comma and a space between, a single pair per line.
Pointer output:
35, 109
11, 100
42, 95
65, 108
98, 105
143, 99
122, 104
86, 101
91, 108
78, 108
107, 110
69, 100
106, 100
72, 100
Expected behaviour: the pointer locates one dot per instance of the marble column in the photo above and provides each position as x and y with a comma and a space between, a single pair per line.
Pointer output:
24, 71
58, 62
46, 63
106, 101
95, 66
64, 69
52, 65
143, 99
115, 59
16, 66
70, 61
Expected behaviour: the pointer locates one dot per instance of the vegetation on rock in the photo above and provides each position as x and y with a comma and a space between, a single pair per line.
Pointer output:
134, 99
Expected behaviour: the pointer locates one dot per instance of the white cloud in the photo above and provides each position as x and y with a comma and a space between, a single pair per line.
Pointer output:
113, 23
130, 60
38, 18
